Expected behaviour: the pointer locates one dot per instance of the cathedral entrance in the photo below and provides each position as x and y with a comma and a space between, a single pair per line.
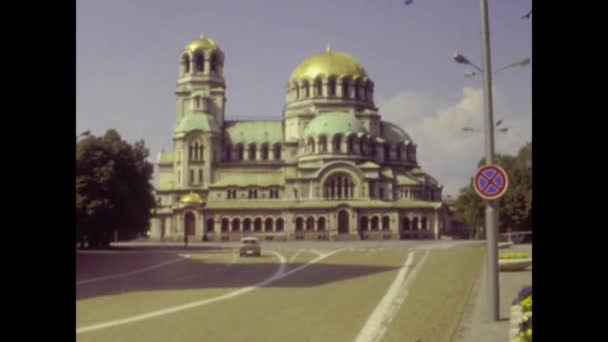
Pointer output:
342, 222
189, 224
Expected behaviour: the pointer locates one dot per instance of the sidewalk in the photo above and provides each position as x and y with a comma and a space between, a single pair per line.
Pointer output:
475, 326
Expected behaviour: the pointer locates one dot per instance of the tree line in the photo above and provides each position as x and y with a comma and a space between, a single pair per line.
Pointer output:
514, 207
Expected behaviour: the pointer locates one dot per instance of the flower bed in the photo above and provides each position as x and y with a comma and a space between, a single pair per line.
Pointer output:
521, 317
514, 256
514, 261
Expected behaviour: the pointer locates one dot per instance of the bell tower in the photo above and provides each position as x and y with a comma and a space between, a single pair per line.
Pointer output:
200, 84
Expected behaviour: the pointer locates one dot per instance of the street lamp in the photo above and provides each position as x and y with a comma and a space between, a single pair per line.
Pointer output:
498, 123
519, 63
491, 213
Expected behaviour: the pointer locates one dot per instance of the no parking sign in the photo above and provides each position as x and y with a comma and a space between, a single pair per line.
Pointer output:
491, 182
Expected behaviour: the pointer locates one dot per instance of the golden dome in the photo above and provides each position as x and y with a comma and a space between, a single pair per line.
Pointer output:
191, 198
202, 42
328, 63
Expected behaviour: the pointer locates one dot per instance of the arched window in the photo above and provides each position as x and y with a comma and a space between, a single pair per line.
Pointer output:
305, 89
247, 225
339, 186
299, 224
387, 151
264, 152
277, 151
357, 89
225, 224
331, 87
345, 93
318, 87
240, 152
349, 144
236, 225
310, 223
337, 142
191, 176
424, 223
252, 152
321, 224
363, 145
257, 225
214, 63
322, 144
415, 224
268, 225
311, 145
200, 175
399, 152
186, 64
228, 153
386, 223
363, 91
199, 62
375, 223
280, 225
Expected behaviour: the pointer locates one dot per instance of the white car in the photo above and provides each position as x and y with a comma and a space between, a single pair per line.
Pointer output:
250, 246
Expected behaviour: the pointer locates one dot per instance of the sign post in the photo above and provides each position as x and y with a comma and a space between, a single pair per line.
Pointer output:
491, 183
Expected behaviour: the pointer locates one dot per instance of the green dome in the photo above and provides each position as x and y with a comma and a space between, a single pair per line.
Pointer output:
333, 123
393, 133
196, 122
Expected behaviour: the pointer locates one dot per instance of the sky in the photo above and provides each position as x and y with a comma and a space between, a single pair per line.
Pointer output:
127, 54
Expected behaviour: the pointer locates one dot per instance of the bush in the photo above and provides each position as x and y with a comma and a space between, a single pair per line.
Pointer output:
514, 256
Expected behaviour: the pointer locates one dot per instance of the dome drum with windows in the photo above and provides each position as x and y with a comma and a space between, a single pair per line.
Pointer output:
201, 56
330, 75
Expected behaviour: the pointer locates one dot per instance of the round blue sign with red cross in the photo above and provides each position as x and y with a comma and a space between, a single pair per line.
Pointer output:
491, 182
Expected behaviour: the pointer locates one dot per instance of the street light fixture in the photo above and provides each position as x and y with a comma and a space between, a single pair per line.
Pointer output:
471, 73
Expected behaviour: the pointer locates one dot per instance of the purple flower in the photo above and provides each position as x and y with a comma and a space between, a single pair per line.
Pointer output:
523, 293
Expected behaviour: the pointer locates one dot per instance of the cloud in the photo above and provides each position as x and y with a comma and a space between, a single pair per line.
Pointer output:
445, 151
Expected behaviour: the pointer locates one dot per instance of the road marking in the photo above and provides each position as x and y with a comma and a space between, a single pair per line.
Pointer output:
279, 274
377, 323
295, 255
126, 274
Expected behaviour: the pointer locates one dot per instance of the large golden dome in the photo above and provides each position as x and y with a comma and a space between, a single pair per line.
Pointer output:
204, 43
328, 63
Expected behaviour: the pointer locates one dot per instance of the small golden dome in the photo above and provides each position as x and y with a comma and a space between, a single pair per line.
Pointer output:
191, 198
203, 43
328, 63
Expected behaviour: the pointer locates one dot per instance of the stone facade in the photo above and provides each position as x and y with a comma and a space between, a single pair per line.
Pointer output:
330, 169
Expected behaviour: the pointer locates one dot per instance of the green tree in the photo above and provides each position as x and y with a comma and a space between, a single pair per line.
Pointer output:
470, 210
515, 207
113, 188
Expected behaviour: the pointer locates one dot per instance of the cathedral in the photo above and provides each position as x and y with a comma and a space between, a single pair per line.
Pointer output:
329, 169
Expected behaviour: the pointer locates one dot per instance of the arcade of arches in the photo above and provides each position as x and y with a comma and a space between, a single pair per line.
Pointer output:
343, 224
